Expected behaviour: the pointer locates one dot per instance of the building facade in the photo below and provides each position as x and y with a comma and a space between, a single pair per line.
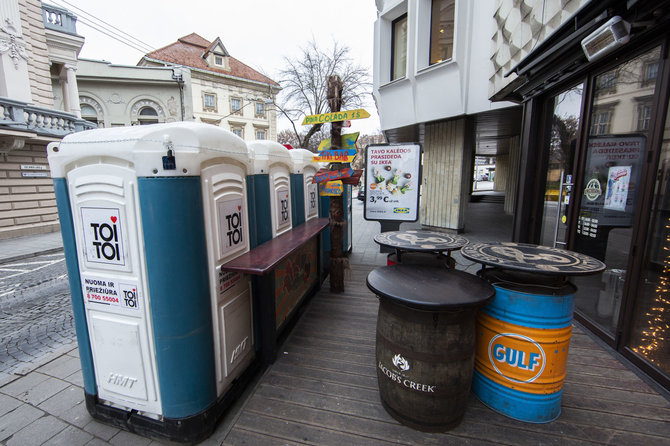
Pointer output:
38, 62
225, 92
593, 78
119, 95
431, 77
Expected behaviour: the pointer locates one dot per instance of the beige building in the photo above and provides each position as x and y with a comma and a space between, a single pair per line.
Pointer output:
38, 104
120, 95
225, 92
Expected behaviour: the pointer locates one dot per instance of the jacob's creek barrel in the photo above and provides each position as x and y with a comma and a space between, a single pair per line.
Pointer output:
522, 346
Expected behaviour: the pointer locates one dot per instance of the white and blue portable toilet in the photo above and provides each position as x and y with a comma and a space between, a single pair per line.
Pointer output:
305, 191
270, 185
148, 215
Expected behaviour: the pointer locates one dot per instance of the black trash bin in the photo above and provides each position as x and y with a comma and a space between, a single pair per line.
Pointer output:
425, 344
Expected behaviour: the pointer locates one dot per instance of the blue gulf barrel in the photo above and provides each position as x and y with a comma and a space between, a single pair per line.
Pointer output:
523, 336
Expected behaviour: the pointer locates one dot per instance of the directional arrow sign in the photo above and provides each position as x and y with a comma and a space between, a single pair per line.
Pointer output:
332, 175
331, 189
336, 116
335, 156
348, 142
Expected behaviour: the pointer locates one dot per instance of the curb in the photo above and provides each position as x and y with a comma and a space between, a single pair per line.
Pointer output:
30, 255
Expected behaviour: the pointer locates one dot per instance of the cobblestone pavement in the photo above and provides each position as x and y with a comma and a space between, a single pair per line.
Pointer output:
35, 312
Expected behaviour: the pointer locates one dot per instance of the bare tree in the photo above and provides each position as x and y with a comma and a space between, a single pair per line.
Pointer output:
304, 86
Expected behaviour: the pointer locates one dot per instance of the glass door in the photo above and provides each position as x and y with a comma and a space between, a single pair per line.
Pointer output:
611, 182
565, 109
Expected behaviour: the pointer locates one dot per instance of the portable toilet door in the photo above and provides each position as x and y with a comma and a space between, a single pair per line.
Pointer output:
305, 170
225, 199
274, 159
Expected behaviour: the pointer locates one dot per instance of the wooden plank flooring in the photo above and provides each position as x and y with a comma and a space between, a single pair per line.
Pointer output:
322, 390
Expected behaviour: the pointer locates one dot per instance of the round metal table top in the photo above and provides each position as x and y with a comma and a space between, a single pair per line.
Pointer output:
421, 241
429, 288
532, 258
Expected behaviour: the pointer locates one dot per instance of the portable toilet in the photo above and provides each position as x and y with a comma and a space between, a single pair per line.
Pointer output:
271, 186
304, 190
148, 214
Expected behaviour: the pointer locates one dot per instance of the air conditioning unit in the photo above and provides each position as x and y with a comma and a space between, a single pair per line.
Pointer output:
613, 34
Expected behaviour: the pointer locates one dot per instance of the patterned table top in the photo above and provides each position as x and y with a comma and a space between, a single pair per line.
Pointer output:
421, 241
532, 258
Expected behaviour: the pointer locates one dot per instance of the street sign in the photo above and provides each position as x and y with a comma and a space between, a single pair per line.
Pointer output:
348, 142
335, 156
336, 116
331, 189
332, 175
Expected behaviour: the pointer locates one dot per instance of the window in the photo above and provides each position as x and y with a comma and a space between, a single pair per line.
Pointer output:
650, 73
209, 101
218, 60
261, 134
147, 115
90, 114
441, 30
643, 117
260, 109
600, 122
606, 83
399, 48
239, 131
236, 105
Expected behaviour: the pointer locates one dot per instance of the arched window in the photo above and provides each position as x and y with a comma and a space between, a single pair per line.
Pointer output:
147, 115
91, 111
88, 113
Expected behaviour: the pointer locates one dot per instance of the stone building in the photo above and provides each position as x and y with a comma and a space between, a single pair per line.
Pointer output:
39, 104
225, 92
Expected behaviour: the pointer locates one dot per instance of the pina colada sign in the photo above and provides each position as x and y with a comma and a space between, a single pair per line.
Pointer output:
336, 116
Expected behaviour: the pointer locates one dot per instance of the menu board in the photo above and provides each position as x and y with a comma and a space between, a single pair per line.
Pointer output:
392, 181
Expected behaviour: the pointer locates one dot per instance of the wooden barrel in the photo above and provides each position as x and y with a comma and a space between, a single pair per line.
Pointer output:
425, 343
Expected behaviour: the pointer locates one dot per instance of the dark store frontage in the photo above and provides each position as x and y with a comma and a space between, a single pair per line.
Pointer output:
595, 168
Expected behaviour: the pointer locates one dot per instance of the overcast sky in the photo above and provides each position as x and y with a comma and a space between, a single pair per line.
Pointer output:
257, 32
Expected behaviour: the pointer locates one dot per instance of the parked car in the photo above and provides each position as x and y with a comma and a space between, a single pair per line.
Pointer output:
361, 194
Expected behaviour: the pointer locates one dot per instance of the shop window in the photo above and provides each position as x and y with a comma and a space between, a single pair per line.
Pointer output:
399, 48
147, 115
209, 102
441, 31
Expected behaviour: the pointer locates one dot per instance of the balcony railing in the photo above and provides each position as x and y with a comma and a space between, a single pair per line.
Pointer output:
59, 19
18, 115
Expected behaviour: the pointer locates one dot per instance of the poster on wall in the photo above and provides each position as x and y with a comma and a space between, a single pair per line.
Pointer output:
392, 181
611, 178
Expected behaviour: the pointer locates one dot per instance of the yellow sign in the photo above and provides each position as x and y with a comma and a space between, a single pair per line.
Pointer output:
348, 142
336, 116
331, 189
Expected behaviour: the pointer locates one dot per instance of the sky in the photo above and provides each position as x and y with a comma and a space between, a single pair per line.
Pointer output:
259, 33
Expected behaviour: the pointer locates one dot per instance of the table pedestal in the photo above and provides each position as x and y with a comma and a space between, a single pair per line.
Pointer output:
523, 336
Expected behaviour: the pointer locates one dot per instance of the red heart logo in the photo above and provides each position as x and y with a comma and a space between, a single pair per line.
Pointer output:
113, 219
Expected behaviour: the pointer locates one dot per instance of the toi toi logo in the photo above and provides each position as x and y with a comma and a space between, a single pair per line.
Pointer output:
103, 235
234, 222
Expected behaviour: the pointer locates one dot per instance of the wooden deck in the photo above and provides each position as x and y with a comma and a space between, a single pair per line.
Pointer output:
322, 390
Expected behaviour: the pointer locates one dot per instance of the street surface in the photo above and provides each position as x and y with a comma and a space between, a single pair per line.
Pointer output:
35, 311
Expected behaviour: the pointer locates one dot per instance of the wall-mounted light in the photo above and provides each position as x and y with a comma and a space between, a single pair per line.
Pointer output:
613, 34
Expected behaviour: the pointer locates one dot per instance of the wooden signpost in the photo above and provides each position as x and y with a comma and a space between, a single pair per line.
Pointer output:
339, 150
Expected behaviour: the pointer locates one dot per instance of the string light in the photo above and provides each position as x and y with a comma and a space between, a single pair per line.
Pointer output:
654, 335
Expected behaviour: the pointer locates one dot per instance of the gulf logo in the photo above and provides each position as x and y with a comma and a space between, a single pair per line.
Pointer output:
400, 210
516, 357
